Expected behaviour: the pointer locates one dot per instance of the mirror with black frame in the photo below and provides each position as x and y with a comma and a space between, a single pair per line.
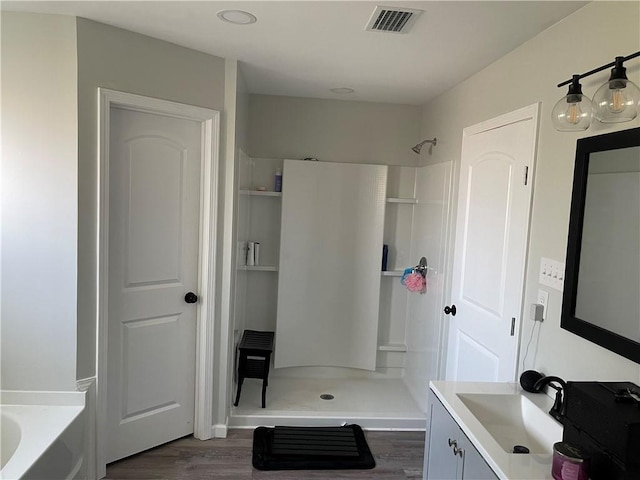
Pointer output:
602, 278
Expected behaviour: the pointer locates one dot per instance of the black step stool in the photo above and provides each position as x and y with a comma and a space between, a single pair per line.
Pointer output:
254, 358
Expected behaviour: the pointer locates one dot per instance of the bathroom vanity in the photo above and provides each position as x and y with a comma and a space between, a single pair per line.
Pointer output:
473, 427
451, 453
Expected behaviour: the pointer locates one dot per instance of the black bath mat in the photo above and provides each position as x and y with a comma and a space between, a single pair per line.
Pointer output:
311, 448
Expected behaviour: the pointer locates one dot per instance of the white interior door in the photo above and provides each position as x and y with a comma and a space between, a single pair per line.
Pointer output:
154, 198
492, 227
330, 254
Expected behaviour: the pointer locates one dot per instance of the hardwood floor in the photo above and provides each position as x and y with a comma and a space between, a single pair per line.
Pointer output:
398, 456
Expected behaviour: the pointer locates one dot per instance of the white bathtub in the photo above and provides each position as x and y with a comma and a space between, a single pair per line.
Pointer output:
42, 435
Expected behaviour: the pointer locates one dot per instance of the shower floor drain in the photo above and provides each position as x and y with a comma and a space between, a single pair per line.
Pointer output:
326, 396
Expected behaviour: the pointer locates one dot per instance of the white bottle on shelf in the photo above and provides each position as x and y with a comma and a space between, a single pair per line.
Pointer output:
256, 253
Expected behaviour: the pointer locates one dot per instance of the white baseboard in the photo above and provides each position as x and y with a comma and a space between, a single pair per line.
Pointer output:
89, 469
219, 430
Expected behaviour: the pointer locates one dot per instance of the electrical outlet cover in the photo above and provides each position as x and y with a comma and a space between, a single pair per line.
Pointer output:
543, 299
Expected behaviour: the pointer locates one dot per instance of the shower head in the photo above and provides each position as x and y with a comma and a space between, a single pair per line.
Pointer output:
418, 147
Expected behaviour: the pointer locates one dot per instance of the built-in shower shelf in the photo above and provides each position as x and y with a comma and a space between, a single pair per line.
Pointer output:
401, 200
392, 347
392, 273
260, 193
258, 268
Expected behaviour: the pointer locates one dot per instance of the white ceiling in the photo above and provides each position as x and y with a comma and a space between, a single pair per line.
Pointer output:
305, 48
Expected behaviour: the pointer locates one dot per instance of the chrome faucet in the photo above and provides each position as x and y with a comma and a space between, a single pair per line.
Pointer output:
559, 385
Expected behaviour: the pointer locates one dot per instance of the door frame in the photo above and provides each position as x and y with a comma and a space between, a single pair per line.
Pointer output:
530, 112
207, 244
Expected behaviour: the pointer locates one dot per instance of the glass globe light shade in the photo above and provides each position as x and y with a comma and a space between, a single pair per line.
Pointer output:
573, 112
618, 99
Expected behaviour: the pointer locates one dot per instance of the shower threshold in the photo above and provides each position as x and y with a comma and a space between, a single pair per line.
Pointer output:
372, 403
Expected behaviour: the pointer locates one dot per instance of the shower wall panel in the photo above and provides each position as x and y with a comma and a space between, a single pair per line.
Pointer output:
329, 273
425, 329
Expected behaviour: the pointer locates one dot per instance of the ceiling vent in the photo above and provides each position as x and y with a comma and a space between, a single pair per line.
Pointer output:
392, 20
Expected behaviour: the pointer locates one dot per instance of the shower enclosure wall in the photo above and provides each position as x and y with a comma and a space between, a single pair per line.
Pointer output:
408, 333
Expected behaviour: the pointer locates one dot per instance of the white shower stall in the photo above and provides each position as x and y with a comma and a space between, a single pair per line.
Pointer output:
345, 329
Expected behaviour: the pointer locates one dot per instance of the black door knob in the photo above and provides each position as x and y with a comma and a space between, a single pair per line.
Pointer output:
450, 310
191, 297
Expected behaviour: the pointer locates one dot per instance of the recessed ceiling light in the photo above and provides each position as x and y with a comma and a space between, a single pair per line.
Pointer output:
237, 16
342, 90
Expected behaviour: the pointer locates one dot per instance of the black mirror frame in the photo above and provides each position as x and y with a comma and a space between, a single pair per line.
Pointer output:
611, 341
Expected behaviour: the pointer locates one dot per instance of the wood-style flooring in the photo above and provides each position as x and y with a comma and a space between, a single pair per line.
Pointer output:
398, 456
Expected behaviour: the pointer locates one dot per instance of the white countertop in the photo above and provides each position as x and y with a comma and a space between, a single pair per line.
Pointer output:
507, 466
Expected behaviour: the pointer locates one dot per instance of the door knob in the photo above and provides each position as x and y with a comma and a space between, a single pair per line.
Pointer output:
191, 297
450, 310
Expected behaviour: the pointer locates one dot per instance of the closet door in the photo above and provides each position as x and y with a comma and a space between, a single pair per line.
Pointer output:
330, 260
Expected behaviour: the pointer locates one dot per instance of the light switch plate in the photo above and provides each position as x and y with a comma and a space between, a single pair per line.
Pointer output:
552, 273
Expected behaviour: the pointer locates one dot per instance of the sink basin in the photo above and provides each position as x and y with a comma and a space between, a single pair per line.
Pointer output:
514, 420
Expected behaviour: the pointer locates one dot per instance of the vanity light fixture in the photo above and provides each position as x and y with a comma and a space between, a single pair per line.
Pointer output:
618, 100
238, 17
573, 112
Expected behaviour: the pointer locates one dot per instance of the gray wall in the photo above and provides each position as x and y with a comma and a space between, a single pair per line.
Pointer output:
333, 130
592, 36
39, 202
121, 60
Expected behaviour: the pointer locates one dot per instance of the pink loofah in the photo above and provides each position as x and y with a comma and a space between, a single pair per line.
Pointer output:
415, 283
